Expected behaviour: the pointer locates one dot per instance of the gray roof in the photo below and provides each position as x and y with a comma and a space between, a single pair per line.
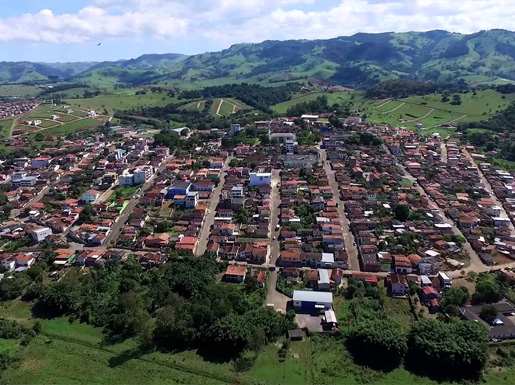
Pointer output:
180, 184
312, 296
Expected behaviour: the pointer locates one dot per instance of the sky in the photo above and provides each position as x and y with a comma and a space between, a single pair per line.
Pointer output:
71, 30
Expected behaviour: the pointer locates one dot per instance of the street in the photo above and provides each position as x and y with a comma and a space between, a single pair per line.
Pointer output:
488, 187
211, 211
348, 238
279, 300
475, 261
118, 225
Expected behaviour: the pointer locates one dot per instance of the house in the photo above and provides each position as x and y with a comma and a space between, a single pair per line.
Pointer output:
260, 178
323, 282
235, 273
398, 284
90, 196
41, 161
312, 301
39, 234
191, 199
179, 188
429, 266
402, 264
428, 293
25, 260
156, 240
445, 280
8, 262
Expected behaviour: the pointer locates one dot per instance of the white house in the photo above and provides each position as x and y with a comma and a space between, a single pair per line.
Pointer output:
399, 284
235, 128
40, 233
260, 178
90, 196
41, 161
9, 263
191, 199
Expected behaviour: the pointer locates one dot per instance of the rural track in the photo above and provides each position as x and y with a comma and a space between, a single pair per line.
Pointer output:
393, 109
422, 117
450, 121
382, 104
219, 106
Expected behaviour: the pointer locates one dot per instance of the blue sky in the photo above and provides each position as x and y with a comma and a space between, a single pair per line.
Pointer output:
69, 30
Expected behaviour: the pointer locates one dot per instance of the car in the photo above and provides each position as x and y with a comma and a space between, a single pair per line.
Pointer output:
271, 268
277, 228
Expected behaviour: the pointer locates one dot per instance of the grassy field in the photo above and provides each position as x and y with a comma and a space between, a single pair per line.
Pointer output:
69, 128
335, 97
75, 353
19, 91
430, 111
5, 126
122, 101
228, 107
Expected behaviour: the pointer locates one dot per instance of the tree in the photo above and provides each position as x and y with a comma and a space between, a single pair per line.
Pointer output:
401, 212
488, 314
488, 288
14, 287
378, 341
242, 216
87, 214
458, 349
456, 99
456, 296
257, 340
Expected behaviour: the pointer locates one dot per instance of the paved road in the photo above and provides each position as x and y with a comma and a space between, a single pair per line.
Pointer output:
348, 237
488, 187
475, 262
115, 230
279, 300
210, 217
443, 152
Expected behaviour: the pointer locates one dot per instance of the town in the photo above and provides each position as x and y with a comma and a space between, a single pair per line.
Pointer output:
309, 226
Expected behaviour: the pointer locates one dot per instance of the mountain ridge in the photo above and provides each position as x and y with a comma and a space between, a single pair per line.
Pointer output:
357, 61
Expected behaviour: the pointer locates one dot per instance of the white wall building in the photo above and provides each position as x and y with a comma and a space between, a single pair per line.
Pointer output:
90, 196
260, 178
40, 234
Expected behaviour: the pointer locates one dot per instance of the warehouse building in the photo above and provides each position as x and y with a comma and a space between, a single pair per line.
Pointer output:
312, 301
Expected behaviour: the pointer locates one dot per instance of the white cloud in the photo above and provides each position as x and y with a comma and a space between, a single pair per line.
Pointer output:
232, 21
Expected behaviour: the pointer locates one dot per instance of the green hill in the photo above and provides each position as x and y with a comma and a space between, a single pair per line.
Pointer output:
359, 60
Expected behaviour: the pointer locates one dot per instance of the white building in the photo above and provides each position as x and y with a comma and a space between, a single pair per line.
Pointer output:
39, 234
289, 146
90, 196
9, 264
191, 199
260, 178
139, 176
235, 128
